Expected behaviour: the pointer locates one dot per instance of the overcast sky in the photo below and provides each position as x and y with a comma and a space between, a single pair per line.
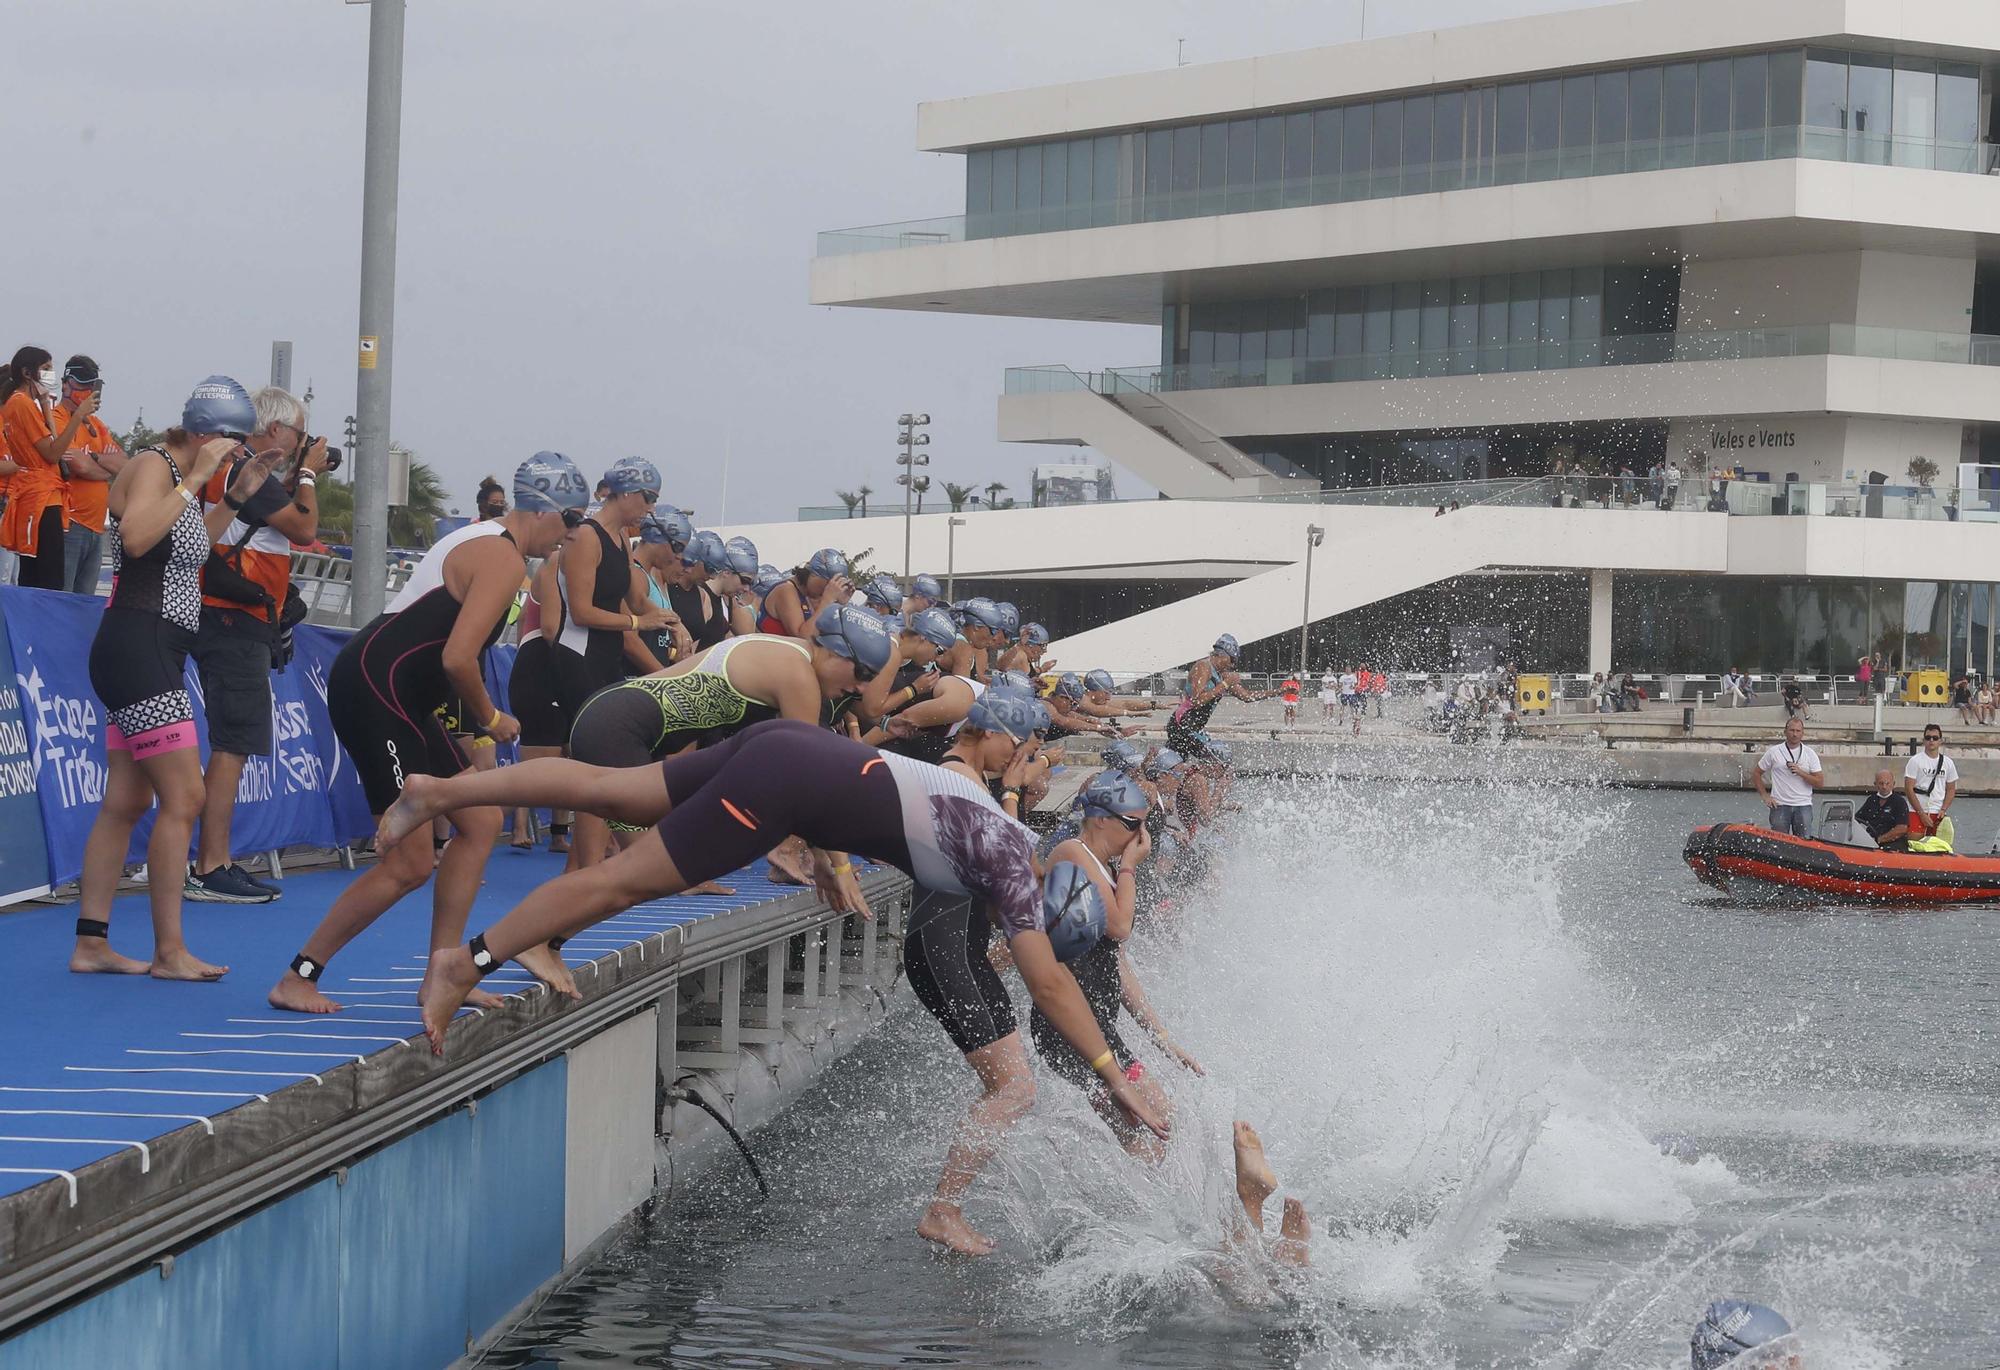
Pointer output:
608, 207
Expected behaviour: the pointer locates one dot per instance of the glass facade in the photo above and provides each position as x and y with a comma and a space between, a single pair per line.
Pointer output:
1355, 460
1442, 326
1823, 103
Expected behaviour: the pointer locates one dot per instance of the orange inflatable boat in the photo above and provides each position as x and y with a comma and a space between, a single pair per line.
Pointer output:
1756, 862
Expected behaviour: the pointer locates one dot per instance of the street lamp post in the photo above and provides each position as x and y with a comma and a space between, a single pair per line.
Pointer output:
380, 171
951, 527
1314, 536
909, 437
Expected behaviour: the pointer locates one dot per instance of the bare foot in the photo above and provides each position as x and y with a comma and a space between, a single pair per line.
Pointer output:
945, 1224
94, 956
546, 965
414, 807
300, 995
1294, 1246
1254, 1180
185, 965
479, 998
709, 887
788, 865
451, 977
559, 846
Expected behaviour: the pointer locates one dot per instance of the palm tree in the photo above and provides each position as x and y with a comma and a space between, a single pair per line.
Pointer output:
414, 523
849, 498
336, 511
958, 495
993, 489
865, 491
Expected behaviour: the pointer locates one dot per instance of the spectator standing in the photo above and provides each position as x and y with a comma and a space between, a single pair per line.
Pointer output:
1673, 484
1378, 686
1329, 694
491, 501
243, 593
1794, 697
1930, 784
92, 462
1885, 813
1350, 688
37, 515
1656, 484
1864, 676
1794, 772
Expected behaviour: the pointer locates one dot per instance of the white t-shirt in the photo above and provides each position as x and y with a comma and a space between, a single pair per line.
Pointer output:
1788, 790
1920, 769
1349, 682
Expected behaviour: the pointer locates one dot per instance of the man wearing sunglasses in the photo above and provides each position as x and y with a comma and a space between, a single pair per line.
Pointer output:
1930, 783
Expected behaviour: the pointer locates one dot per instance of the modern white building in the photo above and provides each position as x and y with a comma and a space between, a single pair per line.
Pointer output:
1501, 264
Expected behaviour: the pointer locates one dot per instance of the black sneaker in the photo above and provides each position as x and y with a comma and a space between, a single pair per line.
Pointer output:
223, 885
276, 891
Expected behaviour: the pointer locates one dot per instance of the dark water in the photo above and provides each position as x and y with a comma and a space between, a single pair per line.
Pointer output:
1544, 1094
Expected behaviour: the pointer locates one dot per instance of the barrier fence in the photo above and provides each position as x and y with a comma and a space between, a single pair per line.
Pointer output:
52, 762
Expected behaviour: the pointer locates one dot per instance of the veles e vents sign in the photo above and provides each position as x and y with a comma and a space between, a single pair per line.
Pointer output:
1760, 437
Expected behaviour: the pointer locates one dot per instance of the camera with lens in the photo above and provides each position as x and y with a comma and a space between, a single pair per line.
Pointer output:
332, 452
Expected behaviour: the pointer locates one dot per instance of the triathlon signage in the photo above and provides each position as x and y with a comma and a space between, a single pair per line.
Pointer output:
24, 863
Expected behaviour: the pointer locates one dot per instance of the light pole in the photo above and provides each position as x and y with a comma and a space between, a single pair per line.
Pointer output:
910, 438
951, 527
381, 167
1314, 536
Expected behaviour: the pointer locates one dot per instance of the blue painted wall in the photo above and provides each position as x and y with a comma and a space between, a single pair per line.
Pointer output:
431, 1241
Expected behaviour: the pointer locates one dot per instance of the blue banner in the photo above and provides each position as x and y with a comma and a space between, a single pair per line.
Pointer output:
305, 792
24, 863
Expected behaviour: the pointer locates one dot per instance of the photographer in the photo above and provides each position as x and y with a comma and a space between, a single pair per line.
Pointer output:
244, 591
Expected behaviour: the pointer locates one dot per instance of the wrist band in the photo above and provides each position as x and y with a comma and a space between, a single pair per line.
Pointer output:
496, 716
306, 478
230, 500
843, 868
1006, 795
482, 741
185, 494
1101, 1062
635, 621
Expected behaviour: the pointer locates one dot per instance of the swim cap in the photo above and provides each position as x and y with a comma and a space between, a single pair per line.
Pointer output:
1111, 794
668, 526
894, 623
1097, 681
1728, 1328
1221, 751
1011, 680
927, 587
933, 626
1003, 711
859, 637
1070, 686
1162, 761
982, 611
628, 474
768, 579
1228, 646
1121, 755
883, 592
1037, 635
1010, 618
827, 563
1072, 910
705, 549
219, 405
549, 483
742, 557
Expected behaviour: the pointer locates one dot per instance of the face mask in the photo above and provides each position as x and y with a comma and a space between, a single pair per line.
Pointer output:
49, 382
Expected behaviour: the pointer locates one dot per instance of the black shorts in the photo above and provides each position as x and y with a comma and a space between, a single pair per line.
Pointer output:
617, 726
232, 654
531, 696
944, 954
578, 677
389, 739
137, 669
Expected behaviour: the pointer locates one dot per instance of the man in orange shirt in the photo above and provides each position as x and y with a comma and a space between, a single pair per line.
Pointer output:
94, 458
37, 507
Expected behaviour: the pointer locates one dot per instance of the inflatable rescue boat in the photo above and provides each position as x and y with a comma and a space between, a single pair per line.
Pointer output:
1754, 862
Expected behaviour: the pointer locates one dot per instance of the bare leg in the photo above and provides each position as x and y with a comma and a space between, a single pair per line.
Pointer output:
401, 870
127, 796
568, 903
176, 779
791, 863
1254, 1181
1008, 1093
1294, 1246
629, 794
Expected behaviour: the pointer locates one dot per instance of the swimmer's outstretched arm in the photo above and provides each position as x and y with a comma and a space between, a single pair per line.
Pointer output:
1058, 996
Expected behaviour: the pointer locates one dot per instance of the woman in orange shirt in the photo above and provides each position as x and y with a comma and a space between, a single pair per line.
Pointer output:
37, 514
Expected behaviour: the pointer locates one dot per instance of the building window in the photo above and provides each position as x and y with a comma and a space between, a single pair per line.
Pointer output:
1868, 85
1915, 118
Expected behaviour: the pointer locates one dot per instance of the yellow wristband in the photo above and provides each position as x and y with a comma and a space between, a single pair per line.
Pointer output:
1101, 1062
496, 716
635, 621
843, 868
482, 742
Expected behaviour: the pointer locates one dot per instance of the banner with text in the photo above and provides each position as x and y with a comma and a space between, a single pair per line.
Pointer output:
24, 862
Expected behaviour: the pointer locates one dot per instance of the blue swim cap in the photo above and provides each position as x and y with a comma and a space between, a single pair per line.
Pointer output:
1111, 794
894, 623
1010, 618
1003, 711
1162, 761
1011, 680
219, 405
1097, 681
927, 587
979, 610
1070, 686
858, 636
705, 549
1728, 1328
629, 474
1121, 755
1228, 646
768, 579
549, 483
742, 557
883, 592
933, 626
1036, 634
827, 563
1072, 910
668, 526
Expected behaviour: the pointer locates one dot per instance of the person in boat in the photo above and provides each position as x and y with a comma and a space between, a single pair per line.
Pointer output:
1786, 776
1735, 1333
1930, 784
1885, 813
